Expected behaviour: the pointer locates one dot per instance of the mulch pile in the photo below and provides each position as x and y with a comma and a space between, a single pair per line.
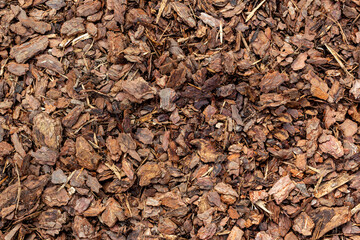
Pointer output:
193, 119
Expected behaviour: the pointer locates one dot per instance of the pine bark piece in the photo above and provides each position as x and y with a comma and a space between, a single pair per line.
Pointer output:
333, 184
58, 177
56, 4
112, 213
54, 197
49, 62
27, 50
172, 200
51, 221
117, 43
166, 226
313, 131
47, 131
167, 97
71, 118
225, 189
86, 155
206, 151
184, 13
272, 81
37, 26
207, 231
73, 27
88, 8
319, 88
282, 189
32, 189
299, 62
45, 156
144, 135
329, 144
82, 228
139, 89
210, 20
355, 89
5, 149
120, 10
303, 224
137, 15
18, 69
349, 128
235, 234
326, 219
148, 172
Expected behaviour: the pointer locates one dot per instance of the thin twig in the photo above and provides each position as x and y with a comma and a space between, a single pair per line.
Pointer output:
161, 9
252, 13
19, 187
338, 59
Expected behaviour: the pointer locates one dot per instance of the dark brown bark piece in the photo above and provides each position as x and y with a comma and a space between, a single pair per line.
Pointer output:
272, 81
184, 12
49, 62
32, 189
326, 219
52, 221
37, 26
88, 8
27, 50
45, 155
71, 118
73, 27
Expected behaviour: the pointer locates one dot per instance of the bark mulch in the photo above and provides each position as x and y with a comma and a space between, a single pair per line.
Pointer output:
179, 119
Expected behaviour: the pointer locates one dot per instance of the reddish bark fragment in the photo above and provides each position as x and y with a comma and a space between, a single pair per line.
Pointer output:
49, 62
272, 81
86, 155
304, 224
18, 69
27, 50
282, 189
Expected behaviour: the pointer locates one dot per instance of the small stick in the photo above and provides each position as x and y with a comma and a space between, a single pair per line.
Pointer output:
19, 187
338, 59
221, 33
67, 180
161, 9
252, 13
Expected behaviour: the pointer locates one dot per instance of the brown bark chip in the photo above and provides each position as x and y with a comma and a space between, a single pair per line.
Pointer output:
27, 50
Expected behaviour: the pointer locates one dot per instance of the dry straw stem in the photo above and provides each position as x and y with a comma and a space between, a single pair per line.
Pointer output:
338, 59
251, 14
